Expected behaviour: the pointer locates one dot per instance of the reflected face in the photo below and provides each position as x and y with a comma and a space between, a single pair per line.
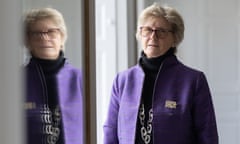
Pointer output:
156, 37
45, 40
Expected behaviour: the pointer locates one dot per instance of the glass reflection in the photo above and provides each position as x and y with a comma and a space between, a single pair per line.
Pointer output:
54, 87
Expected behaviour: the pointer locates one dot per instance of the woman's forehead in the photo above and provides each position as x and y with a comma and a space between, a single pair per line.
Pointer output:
43, 24
156, 22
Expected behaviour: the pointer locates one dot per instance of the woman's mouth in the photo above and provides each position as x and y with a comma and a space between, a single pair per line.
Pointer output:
152, 45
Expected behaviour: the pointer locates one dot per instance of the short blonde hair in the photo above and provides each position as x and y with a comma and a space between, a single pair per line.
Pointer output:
170, 14
35, 15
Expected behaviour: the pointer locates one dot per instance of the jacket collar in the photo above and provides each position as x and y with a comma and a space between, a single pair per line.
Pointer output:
167, 62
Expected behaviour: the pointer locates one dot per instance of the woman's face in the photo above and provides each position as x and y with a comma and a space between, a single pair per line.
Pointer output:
156, 37
45, 39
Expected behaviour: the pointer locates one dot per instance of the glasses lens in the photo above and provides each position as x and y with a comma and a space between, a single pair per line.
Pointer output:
49, 34
146, 31
52, 33
159, 33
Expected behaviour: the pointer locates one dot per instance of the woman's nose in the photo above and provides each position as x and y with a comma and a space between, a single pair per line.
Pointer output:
154, 35
44, 35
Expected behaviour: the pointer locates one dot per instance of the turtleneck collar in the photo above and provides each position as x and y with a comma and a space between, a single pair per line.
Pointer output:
50, 66
153, 64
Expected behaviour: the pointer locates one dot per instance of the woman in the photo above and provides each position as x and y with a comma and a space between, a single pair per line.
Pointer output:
53, 86
160, 100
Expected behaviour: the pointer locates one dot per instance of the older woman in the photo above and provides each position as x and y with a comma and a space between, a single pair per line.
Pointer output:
160, 100
53, 87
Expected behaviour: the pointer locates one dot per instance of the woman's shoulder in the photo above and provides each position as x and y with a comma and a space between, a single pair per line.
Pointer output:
71, 69
180, 66
132, 73
191, 70
176, 67
184, 71
131, 70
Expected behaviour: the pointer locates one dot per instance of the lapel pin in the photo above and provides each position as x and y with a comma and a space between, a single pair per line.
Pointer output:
30, 105
171, 104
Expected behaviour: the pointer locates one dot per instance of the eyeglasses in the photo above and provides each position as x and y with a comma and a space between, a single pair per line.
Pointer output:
160, 32
50, 33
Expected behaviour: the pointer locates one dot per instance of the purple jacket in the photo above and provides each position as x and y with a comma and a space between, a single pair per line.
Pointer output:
183, 111
69, 81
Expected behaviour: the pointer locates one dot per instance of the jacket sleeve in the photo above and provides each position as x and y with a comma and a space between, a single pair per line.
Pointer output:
110, 126
203, 113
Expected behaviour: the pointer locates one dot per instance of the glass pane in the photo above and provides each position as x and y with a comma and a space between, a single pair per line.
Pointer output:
106, 58
54, 80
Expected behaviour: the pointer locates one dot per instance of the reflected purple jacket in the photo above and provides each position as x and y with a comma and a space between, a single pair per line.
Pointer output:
183, 111
69, 85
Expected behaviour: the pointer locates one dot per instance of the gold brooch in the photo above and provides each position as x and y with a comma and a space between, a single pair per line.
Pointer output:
29, 105
171, 104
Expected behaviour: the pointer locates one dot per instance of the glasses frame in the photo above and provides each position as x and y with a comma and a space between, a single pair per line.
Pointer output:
51, 33
160, 33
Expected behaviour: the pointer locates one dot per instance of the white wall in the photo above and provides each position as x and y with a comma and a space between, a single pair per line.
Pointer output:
11, 105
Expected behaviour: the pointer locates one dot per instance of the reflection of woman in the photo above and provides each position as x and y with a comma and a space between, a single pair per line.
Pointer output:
160, 100
53, 86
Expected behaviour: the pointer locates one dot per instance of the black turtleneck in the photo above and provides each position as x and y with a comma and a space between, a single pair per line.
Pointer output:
50, 69
151, 68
